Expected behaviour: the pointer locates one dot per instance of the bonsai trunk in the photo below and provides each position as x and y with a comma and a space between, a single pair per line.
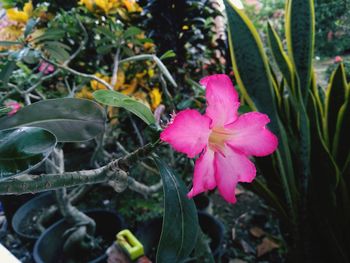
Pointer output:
80, 237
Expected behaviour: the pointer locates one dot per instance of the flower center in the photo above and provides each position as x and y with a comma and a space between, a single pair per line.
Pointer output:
218, 137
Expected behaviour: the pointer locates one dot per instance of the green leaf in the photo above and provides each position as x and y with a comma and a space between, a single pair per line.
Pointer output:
168, 54
132, 31
180, 222
281, 57
341, 145
71, 120
57, 50
335, 99
250, 64
255, 81
23, 149
117, 99
10, 43
6, 72
50, 35
29, 27
300, 34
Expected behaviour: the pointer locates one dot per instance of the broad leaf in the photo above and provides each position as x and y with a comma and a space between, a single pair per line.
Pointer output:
117, 99
23, 149
71, 120
180, 222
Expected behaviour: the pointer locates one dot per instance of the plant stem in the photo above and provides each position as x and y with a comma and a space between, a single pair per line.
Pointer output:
113, 173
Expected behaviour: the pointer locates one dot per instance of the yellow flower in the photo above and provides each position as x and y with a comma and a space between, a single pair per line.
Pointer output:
95, 85
105, 6
128, 89
120, 80
10, 33
21, 16
148, 45
85, 93
156, 97
132, 6
89, 4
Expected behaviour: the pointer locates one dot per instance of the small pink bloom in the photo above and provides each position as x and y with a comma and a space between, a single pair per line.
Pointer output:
14, 105
224, 140
46, 68
338, 59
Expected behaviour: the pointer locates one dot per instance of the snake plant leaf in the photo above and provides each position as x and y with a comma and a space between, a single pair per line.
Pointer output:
23, 149
180, 223
117, 99
280, 56
71, 120
250, 63
335, 99
254, 78
300, 34
341, 144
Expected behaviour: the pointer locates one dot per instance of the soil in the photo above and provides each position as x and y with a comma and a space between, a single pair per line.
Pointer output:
242, 220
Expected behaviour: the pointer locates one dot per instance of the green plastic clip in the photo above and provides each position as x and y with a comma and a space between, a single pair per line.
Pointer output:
130, 243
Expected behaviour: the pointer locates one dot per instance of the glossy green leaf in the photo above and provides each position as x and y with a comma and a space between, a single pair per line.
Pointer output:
300, 34
23, 149
71, 120
280, 56
335, 99
180, 222
117, 99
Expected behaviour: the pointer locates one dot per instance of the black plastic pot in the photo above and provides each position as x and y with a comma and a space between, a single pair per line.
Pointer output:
26, 210
48, 248
149, 233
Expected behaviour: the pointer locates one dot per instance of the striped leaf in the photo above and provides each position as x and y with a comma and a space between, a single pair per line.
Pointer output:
281, 57
300, 34
254, 78
335, 99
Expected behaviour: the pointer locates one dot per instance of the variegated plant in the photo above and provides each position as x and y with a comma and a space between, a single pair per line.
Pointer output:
307, 180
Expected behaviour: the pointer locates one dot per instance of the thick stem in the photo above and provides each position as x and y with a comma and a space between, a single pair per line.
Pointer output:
112, 172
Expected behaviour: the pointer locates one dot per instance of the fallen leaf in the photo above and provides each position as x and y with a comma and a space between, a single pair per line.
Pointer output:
257, 232
266, 246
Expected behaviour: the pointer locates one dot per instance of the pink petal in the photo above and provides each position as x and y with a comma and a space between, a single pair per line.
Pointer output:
203, 179
188, 133
232, 167
222, 99
251, 136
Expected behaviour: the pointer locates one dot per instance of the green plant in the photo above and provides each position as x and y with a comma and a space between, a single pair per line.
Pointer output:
307, 180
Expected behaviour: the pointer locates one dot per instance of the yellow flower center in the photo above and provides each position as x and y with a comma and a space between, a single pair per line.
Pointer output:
218, 138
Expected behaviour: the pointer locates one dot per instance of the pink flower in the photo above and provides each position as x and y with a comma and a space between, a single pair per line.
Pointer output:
46, 68
224, 140
338, 59
14, 105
